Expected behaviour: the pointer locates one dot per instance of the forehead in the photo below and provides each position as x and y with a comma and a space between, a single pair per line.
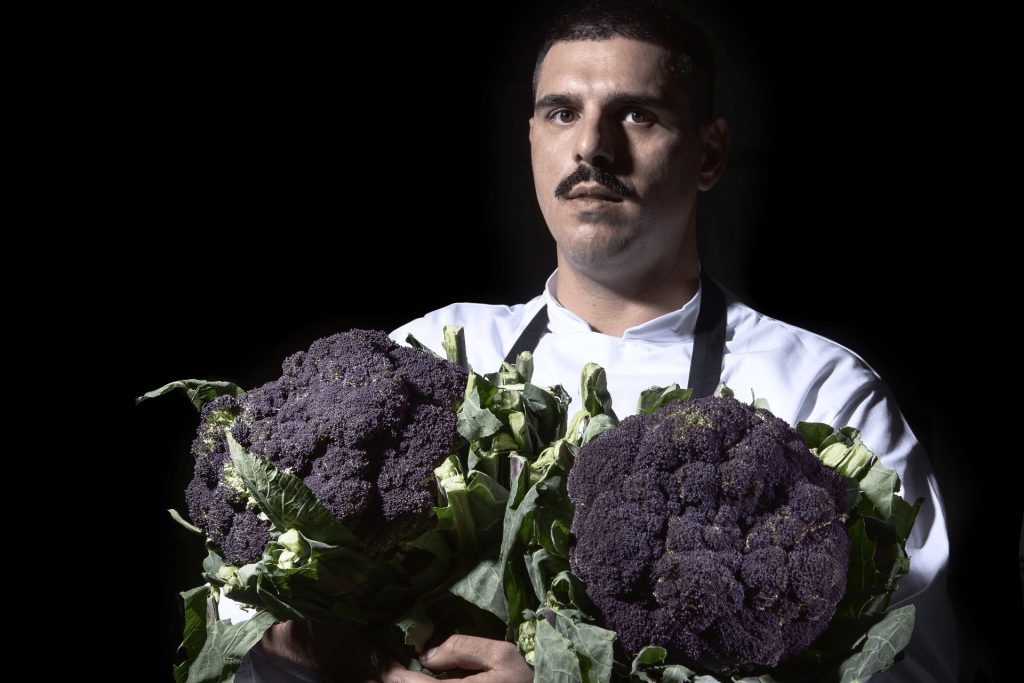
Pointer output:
613, 65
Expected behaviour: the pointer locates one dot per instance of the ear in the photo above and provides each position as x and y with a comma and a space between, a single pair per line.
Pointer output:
531, 130
714, 145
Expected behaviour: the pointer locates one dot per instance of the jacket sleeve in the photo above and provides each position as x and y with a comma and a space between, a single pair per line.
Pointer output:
851, 393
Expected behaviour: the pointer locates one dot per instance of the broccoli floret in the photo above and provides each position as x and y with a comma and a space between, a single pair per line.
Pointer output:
362, 421
710, 529
527, 641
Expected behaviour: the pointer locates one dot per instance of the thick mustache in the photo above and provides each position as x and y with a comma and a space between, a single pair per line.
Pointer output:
598, 175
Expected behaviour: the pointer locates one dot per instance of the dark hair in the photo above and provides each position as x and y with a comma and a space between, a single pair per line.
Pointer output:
693, 60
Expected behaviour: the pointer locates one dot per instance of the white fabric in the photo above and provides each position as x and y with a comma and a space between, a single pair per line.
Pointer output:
802, 375
237, 612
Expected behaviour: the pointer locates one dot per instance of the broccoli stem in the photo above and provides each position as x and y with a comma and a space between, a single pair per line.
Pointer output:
462, 517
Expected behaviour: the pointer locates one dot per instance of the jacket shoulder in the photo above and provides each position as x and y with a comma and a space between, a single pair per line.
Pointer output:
488, 328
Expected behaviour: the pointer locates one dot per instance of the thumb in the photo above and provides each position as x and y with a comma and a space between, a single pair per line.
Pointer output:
470, 652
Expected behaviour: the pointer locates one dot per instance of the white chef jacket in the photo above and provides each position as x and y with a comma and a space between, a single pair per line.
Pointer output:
803, 376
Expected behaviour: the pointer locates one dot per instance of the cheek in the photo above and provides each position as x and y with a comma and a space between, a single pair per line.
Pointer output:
543, 161
547, 173
669, 171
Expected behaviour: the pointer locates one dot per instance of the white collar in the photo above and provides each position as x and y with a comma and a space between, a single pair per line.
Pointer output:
674, 326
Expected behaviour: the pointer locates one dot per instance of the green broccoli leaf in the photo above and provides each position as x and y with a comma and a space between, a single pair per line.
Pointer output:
549, 410
884, 641
904, 515
555, 660
483, 586
536, 573
519, 595
225, 646
596, 426
457, 514
879, 485
286, 500
656, 397
213, 560
723, 391
650, 655
199, 391
568, 591
676, 673
847, 460
594, 391
862, 577
487, 500
521, 502
475, 420
560, 537
281, 609
198, 603
524, 365
649, 667
814, 433
591, 644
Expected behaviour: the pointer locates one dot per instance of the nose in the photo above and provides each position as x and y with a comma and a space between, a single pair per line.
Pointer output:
594, 142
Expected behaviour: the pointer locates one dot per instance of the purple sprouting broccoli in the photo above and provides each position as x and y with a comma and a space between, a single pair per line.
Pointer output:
361, 420
708, 528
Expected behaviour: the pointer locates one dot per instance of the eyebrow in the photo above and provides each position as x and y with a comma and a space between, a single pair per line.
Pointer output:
628, 98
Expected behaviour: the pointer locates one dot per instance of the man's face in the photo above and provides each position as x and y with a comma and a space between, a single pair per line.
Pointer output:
616, 159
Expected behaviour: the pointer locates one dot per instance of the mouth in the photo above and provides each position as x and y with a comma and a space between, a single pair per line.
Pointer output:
592, 193
594, 199
591, 203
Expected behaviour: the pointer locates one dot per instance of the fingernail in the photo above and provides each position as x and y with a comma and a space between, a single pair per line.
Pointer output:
428, 654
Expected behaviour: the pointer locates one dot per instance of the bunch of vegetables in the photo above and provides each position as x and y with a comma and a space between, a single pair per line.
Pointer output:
381, 488
364, 489
710, 541
335, 493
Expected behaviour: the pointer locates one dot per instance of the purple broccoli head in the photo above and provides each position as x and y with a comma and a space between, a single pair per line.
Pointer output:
710, 529
361, 420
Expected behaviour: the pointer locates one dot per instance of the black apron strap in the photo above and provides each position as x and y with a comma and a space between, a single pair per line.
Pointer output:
530, 337
708, 339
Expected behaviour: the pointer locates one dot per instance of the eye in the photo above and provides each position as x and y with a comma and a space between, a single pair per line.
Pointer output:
562, 116
638, 117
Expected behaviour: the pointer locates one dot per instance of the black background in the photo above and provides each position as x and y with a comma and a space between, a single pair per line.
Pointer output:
288, 177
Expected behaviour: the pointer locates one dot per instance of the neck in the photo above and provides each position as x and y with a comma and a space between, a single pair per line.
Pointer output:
611, 304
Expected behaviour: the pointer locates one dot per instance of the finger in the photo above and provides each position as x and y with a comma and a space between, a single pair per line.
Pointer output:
470, 652
493, 676
393, 672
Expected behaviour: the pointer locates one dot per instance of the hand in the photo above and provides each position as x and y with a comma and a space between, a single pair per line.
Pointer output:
495, 661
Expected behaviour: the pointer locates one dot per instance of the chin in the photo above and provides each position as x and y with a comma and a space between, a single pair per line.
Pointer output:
594, 239
596, 251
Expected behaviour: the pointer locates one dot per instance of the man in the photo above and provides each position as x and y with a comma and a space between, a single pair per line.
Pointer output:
622, 142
